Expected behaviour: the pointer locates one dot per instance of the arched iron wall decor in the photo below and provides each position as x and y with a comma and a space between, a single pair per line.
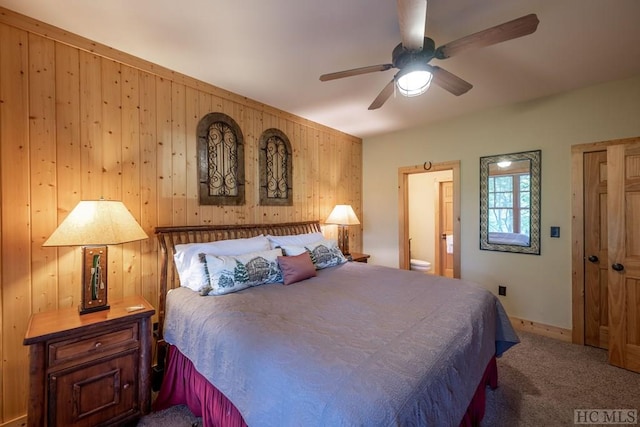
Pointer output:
220, 161
276, 169
510, 202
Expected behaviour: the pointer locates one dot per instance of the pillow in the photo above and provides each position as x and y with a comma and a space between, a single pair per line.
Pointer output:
324, 253
187, 259
295, 239
296, 268
228, 274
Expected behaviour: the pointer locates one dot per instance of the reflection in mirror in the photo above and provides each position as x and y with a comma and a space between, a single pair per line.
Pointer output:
510, 202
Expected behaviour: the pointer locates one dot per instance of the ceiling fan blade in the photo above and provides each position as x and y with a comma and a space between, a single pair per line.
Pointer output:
382, 96
500, 33
355, 72
412, 16
449, 82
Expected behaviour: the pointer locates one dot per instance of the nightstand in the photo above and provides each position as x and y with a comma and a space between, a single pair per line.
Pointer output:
357, 257
91, 369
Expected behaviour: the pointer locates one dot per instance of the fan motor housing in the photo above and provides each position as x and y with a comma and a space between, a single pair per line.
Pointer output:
401, 56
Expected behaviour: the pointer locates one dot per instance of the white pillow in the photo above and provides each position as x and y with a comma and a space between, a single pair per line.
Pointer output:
295, 239
191, 270
234, 273
324, 253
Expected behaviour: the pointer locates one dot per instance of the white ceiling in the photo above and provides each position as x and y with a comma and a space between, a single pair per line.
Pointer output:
273, 51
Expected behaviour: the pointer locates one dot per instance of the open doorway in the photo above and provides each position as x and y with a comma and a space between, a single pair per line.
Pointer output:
431, 222
429, 228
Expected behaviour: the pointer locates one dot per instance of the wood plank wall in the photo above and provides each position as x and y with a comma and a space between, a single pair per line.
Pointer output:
79, 121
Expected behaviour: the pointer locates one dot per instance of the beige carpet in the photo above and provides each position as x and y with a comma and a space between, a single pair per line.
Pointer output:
541, 382
176, 416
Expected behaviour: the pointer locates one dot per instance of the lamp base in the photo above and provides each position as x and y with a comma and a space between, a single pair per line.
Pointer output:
343, 239
94, 280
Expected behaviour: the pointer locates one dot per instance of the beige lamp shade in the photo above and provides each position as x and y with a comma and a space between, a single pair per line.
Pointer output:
97, 222
342, 215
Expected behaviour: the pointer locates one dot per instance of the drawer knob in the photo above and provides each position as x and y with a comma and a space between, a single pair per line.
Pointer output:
126, 386
98, 344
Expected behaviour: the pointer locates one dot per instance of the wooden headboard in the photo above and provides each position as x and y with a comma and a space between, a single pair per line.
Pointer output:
168, 237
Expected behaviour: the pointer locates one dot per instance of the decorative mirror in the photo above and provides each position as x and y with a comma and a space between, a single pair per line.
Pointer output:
510, 202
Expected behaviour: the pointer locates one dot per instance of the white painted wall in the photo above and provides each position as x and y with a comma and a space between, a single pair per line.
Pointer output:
538, 287
422, 209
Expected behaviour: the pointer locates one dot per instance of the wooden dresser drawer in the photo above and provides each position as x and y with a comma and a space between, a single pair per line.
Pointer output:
90, 347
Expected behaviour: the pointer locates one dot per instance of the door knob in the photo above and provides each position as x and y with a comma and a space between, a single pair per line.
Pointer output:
593, 258
617, 267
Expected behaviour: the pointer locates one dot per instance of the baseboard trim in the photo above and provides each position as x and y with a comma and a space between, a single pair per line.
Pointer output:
16, 422
555, 332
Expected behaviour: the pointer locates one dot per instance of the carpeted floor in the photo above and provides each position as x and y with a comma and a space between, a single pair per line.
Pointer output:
176, 416
541, 382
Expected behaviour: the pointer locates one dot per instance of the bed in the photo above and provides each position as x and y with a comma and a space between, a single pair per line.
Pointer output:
353, 344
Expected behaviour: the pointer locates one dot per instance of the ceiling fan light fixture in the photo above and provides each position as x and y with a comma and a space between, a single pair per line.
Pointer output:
413, 82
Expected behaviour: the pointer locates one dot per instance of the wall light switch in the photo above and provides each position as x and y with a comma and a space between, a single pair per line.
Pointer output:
555, 231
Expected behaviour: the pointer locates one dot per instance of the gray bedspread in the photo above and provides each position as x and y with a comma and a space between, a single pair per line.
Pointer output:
358, 345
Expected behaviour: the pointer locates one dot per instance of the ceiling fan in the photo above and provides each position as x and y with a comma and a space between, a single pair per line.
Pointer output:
411, 57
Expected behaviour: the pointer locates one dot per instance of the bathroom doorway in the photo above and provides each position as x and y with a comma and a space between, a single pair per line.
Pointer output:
429, 228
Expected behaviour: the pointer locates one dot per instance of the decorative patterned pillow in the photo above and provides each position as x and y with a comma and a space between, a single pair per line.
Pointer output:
234, 273
187, 257
296, 268
324, 253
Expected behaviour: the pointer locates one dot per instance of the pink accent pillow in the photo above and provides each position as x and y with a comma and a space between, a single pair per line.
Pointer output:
296, 268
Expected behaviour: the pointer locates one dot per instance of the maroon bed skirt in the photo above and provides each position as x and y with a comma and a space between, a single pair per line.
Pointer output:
183, 385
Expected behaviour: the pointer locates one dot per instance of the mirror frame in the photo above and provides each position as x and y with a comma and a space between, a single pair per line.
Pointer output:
534, 233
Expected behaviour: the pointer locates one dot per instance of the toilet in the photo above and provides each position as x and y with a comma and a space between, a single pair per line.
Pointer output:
420, 265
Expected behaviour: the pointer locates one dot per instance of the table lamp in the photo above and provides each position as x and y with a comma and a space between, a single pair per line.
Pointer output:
344, 216
94, 224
